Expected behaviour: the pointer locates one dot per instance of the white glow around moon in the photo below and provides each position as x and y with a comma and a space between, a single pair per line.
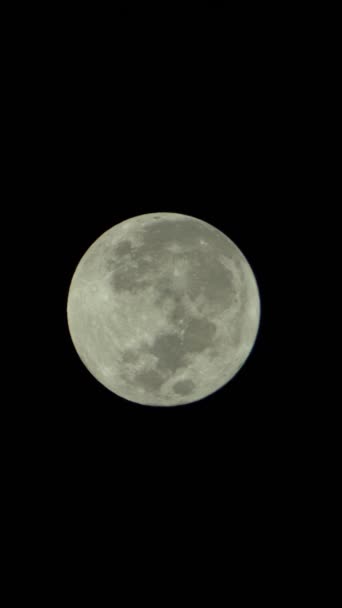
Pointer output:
163, 309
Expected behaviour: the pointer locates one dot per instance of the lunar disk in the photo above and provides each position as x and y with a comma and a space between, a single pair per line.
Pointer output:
163, 309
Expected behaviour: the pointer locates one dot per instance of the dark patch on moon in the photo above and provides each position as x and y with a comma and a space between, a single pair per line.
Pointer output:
150, 379
166, 292
235, 334
198, 335
169, 350
123, 248
211, 279
130, 266
129, 278
179, 312
129, 356
183, 387
164, 289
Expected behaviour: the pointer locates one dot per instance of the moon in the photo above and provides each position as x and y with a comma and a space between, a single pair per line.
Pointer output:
163, 309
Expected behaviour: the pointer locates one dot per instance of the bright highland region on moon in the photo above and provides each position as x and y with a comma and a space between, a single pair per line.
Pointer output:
163, 309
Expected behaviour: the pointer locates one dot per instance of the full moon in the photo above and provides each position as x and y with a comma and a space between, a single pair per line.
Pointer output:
163, 309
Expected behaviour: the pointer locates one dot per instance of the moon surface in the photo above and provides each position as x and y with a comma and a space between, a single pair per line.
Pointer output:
163, 309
